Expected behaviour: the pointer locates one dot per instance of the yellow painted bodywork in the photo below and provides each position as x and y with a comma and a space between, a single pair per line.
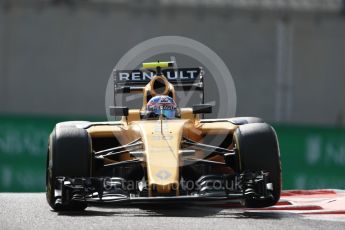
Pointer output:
161, 140
162, 144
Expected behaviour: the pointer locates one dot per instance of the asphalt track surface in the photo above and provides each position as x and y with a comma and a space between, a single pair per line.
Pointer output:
31, 211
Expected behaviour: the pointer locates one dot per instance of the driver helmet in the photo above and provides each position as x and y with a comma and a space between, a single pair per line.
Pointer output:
162, 104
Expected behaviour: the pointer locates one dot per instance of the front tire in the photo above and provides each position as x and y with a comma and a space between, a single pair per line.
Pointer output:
69, 155
258, 150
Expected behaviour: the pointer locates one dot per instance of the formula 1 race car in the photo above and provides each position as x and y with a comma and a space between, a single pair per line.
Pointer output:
161, 153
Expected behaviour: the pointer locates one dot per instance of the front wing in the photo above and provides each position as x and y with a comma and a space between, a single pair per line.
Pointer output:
98, 191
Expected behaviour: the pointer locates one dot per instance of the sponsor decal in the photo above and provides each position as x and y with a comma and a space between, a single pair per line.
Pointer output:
173, 75
313, 151
163, 174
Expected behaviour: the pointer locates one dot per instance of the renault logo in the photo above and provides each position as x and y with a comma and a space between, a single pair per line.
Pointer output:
163, 174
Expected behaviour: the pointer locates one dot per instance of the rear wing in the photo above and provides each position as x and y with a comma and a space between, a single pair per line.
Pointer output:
133, 81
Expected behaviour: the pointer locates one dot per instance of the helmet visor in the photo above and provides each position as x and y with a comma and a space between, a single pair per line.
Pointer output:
167, 113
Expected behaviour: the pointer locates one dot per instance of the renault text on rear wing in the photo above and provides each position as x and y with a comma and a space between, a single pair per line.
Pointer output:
174, 76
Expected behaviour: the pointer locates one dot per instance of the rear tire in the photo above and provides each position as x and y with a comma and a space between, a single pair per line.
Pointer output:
69, 155
245, 120
257, 149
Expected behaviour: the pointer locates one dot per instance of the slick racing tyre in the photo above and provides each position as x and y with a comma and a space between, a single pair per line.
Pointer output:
245, 120
258, 150
69, 155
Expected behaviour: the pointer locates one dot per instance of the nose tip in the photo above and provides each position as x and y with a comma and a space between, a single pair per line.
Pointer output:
164, 189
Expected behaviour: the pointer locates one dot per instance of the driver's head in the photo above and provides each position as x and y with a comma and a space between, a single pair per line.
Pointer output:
164, 105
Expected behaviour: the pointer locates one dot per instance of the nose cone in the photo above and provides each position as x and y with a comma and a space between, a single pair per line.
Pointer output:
162, 145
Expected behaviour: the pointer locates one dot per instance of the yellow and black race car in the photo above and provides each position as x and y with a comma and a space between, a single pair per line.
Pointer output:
162, 153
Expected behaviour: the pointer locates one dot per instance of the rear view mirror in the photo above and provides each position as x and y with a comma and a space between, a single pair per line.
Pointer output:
202, 108
118, 111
